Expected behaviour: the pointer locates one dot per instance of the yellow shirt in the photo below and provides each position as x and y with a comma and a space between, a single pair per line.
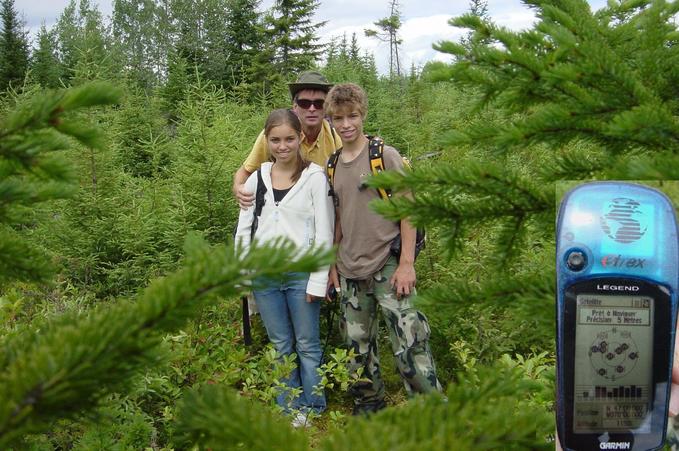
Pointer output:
318, 152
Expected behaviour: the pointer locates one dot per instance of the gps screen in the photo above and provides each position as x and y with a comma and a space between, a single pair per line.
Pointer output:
613, 363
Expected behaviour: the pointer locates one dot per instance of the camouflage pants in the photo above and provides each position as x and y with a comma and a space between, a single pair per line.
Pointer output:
408, 332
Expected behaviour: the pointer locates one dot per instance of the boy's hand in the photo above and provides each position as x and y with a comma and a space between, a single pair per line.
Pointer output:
403, 280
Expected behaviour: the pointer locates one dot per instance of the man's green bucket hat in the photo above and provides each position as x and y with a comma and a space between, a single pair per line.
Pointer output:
309, 80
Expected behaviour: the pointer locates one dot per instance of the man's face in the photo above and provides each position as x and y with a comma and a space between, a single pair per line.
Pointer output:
308, 106
348, 121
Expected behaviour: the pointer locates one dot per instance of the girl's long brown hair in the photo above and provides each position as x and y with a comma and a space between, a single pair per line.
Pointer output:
287, 117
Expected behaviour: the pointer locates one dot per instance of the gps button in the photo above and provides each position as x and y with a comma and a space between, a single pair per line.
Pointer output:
576, 261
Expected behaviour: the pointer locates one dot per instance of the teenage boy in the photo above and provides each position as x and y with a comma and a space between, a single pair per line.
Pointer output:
319, 140
369, 275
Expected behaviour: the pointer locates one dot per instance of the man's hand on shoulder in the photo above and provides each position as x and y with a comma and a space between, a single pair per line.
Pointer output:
404, 279
244, 197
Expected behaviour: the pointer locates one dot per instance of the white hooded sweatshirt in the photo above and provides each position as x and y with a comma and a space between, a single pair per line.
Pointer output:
305, 216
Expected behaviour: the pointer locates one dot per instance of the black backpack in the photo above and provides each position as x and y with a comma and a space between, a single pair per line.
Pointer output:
376, 157
259, 203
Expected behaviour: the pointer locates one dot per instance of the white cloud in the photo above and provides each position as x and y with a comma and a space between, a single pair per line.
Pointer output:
433, 26
420, 33
516, 20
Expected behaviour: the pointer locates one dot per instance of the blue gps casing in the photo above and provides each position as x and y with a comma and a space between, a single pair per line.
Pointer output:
617, 274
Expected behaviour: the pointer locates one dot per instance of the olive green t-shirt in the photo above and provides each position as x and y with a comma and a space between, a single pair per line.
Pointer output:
366, 236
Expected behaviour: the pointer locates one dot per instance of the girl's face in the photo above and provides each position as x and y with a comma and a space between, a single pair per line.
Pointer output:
283, 143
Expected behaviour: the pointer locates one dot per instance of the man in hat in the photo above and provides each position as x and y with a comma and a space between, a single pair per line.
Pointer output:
319, 139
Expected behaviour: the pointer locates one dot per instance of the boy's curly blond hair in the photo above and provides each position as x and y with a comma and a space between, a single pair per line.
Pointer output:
346, 95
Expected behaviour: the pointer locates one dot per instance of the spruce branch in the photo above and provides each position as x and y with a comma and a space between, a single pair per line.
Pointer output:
474, 416
19, 260
215, 417
577, 162
656, 166
47, 109
575, 76
32, 172
69, 364
523, 304
468, 197
529, 290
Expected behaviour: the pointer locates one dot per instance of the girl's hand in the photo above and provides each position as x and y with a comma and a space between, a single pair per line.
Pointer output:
333, 278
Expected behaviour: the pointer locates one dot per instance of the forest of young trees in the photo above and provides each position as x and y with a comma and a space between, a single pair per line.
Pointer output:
119, 281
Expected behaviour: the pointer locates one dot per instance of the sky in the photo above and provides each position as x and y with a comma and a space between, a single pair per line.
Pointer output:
425, 22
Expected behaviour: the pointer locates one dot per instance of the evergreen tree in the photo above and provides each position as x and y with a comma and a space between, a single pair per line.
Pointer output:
244, 41
199, 29
85, 50
138, 31
580, 77
13, 47
478, 8
67, 30
293, 35
140, 138
354, 50
97, 60
344, 63
173, 92
204, 138
44, 61
33, 173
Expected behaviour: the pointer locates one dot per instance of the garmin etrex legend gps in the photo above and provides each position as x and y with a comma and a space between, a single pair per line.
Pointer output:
616, 264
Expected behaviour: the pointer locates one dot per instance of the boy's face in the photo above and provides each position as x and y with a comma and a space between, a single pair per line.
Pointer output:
348, 121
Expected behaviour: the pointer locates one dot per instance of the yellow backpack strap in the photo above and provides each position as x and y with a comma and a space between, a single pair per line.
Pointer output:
330, 172
334, 135
376, 155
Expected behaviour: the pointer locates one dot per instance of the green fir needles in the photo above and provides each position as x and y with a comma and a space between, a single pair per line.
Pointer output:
472, 196
609, 77
62, 366
215, 417
31, 170
490, 413
65, 367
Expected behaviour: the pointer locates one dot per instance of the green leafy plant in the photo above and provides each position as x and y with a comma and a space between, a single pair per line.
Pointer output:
335, 372
263, 377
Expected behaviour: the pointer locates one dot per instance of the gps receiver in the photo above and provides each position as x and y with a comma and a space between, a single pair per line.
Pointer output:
617, 276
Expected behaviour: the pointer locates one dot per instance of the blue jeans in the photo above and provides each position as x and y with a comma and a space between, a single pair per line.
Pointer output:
292, 324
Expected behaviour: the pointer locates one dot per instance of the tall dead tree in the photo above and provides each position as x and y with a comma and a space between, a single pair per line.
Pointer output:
387, 31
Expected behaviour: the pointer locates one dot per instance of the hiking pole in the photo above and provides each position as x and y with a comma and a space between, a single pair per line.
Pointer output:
330, 308
247, 336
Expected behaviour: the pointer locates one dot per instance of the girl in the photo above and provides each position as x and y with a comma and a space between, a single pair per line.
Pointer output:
296, 206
